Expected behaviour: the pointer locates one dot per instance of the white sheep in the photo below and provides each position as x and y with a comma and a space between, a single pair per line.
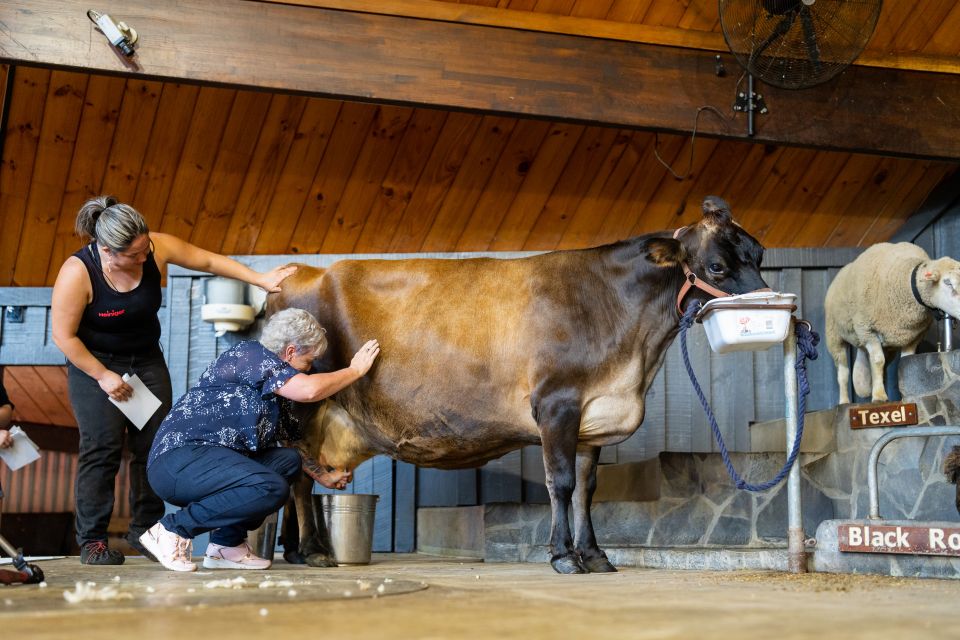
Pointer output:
871, 305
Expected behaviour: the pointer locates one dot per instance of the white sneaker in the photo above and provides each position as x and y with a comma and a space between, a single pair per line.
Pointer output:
239, 557
171, 550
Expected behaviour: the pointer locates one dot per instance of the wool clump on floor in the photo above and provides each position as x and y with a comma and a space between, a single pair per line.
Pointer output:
88, 592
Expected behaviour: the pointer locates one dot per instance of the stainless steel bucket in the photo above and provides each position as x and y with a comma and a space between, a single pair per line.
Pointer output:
349, 519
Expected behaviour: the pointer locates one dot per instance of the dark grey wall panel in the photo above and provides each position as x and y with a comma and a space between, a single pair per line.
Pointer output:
404, 507
534, 478
437, 488
501, 480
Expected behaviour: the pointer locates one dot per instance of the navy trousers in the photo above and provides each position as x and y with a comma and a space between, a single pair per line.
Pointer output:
221, 490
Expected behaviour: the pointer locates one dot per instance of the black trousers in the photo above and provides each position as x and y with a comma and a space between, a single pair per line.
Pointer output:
102, 430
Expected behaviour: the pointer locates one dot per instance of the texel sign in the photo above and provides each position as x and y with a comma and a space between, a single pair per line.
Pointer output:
922, 540
883, 415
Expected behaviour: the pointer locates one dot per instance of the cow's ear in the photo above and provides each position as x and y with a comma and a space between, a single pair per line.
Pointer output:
930, 275
716, 209
665, 252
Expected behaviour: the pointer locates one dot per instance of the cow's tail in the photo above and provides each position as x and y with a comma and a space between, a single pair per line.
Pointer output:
951, 468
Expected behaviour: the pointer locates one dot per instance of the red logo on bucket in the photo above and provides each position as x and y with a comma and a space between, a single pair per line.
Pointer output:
112, 314
744, 321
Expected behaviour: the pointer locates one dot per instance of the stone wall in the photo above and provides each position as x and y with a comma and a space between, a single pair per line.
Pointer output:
910, 472
699, 507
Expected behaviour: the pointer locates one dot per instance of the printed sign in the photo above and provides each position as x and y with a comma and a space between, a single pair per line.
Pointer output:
883, 415
917, 540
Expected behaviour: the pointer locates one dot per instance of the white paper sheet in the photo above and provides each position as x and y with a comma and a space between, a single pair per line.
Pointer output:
23, 451
141, 405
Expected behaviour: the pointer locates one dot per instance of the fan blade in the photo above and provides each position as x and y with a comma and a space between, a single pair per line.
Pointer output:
810, 36
778, 32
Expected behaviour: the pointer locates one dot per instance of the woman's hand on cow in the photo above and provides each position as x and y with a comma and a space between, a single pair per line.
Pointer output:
114, 386
334, 478
270, 281
364, 358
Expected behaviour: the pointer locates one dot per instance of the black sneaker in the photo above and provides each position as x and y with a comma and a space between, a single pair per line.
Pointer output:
97, 552
134, 541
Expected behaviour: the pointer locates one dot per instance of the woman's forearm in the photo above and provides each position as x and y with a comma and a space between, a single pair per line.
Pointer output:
80, 357
307, 462
230, 268
314, 387
324, 385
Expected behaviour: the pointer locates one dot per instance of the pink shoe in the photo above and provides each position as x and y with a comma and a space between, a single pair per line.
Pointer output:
239, 557
171, 550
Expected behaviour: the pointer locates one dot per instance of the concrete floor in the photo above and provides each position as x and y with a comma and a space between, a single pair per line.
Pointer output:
413, 596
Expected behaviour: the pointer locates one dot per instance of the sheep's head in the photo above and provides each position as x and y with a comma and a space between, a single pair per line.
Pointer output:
939, 283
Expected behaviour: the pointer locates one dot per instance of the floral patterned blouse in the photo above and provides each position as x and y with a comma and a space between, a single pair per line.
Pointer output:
233, 405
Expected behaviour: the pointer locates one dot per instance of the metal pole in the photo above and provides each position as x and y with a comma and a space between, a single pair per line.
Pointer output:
947, 333
913, 432
797, 555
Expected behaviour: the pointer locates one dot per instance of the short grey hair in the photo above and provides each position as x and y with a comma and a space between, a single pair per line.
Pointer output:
112, 224
294, 327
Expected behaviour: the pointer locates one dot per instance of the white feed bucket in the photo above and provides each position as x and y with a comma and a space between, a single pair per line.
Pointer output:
349, 519
748, 322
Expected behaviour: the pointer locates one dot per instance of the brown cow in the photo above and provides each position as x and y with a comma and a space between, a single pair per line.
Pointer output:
483, 356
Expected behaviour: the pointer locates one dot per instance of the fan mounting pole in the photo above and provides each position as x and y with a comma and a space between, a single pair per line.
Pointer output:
750, 101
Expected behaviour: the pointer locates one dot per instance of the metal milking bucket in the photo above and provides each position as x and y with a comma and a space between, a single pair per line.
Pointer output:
349, 519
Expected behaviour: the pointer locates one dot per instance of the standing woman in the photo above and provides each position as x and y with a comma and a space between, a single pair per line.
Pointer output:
104, 313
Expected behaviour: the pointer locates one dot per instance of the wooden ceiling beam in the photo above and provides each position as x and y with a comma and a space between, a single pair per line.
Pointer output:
385, 58
596, 28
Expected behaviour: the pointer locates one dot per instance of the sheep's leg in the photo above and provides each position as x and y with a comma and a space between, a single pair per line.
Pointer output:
911, 348
843, 373
877, 360
861, 373
838, 349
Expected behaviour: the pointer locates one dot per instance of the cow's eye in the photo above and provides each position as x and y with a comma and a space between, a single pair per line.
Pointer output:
715, 268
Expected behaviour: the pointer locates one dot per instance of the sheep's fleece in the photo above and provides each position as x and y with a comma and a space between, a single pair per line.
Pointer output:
870, 305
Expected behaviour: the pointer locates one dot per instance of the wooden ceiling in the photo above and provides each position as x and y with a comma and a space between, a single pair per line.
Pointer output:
900, 29
240, 171
39, 395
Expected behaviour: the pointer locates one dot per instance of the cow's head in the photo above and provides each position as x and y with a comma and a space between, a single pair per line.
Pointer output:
717, 256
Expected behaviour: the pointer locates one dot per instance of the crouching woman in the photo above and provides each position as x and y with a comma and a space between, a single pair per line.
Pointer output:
217, 453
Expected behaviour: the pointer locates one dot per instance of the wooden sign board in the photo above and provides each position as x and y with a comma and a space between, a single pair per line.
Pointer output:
916, 540
883, 415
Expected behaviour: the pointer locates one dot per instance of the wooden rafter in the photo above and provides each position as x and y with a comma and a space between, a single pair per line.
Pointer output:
415, 61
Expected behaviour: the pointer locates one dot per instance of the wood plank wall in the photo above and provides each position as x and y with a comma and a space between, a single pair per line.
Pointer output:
47, 486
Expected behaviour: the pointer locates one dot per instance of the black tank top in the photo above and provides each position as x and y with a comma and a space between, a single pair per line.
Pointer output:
121, 323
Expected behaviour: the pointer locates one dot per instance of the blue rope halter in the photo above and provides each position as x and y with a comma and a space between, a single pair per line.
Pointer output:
807, 341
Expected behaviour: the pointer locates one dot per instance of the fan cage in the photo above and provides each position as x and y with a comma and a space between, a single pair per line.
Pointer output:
793, 44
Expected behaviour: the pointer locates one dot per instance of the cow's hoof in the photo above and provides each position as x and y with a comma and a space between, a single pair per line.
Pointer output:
598, 564
321, 560
294, 557
569, 563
